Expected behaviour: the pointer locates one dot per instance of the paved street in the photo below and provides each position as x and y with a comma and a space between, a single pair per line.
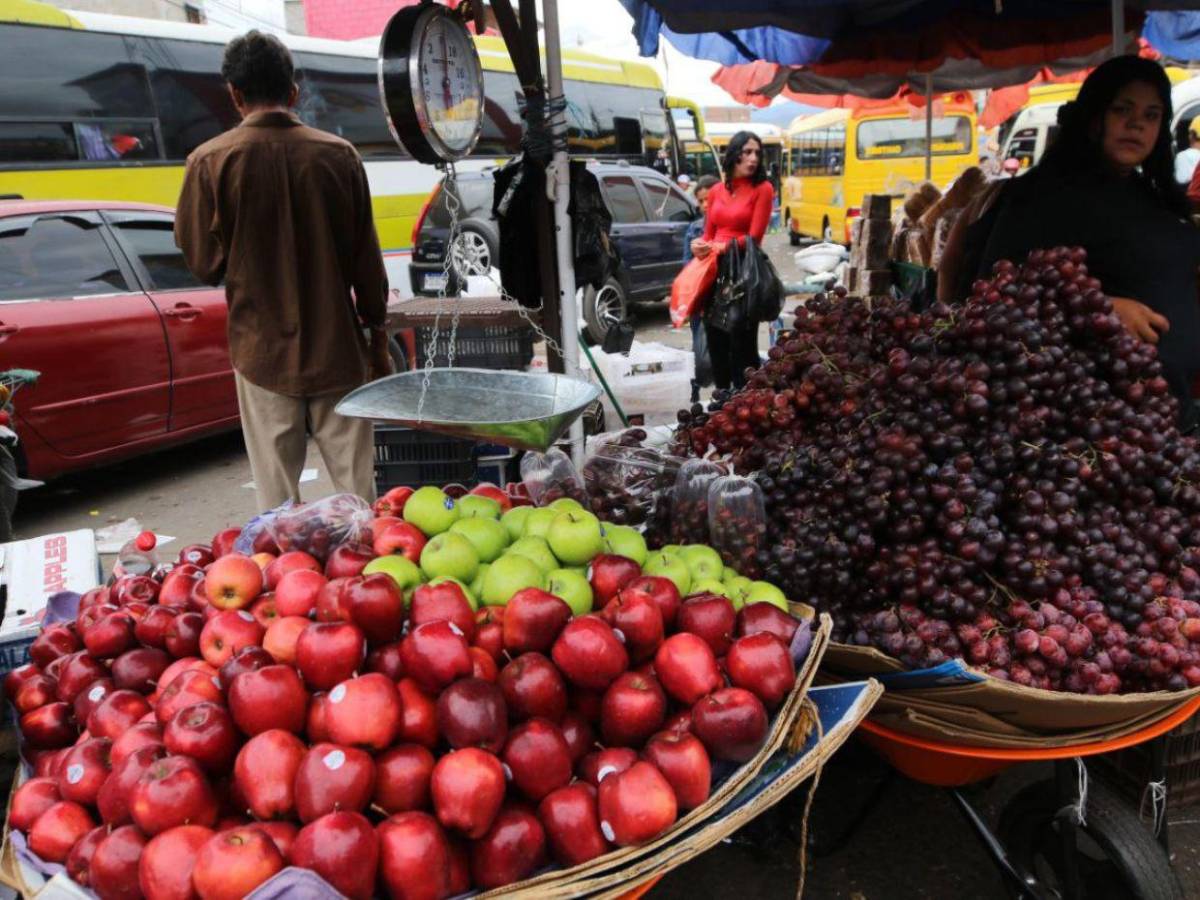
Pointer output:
915, 843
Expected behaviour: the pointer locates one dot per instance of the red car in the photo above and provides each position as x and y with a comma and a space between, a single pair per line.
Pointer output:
131, 348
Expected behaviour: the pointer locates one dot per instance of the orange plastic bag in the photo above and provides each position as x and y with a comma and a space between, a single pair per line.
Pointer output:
691, 287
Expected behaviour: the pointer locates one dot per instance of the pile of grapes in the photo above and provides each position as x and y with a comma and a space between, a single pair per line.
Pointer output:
1001, 481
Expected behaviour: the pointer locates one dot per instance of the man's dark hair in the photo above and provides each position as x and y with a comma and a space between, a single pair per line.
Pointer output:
707, 183
259, 66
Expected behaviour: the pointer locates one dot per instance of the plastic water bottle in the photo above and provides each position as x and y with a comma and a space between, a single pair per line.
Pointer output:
137, 556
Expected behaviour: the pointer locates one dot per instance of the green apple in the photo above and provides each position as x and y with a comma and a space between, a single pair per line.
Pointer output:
672, 549
537, 551
433, 512
450, 554
474, 506
402, 570
669, 566
765, 592
538, 522
710, 586
470, 594
575, 537
477, 584
565, 504
573, 588
729, 574
625, 541
738, 588
703, 562
507, 575
487, 535
514, 521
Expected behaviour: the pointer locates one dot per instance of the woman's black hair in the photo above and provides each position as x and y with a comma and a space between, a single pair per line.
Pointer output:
733, 155
1078, 146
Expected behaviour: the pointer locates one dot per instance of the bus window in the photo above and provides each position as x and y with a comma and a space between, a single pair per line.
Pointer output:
501, 134
193, 103
37, 142
100, 141
1023, 146
899, 138
338, 95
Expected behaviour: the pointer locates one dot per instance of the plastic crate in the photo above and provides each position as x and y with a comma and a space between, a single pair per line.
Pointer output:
478, 346
411, 458
1129, 770
497, 465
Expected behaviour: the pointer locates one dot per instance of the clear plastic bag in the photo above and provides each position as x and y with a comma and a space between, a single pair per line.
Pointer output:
689, 499
628, 484
737, 523
320, 526
551, 476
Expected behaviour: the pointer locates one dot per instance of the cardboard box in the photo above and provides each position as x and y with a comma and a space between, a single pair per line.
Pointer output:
877, 207
33, 571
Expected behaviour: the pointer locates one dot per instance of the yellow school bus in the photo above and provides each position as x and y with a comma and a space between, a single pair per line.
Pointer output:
839, 156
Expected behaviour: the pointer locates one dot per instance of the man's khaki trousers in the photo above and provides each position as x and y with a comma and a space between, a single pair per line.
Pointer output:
274, 428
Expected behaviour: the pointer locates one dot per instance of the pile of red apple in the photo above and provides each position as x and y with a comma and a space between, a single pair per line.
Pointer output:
193, 734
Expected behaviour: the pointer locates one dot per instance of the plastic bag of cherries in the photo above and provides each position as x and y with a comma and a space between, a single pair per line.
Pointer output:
737, 523
551, 476
628, 484
319, 527
689, 499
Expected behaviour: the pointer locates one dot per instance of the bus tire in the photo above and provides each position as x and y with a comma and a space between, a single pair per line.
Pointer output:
826, 231
793, 237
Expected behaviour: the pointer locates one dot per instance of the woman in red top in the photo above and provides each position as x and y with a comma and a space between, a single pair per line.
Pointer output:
737, 208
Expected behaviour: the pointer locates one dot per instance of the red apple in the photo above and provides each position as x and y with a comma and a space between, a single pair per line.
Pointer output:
589, 654
572, 822
233, 581
710, 617
492, 492
762, 664
348, 560
443, 602
512, 849
608, 574
113, 872
402, 777
90, 616
89, 698
331, 601
223, 541
414, 857
757, 617
684, 762
16, 679
680, 723
45, 763
538, 758
460, 866
94, 597
282, 636
386, 660
292, 561
271, 697
247, 659
297, 592
264, 610
327, 653
183, 635
143, 734
468, 788
172, 791
32, 799
533, 620
636, 805
54, 641
196, 555
177, 587
482, 665
84, 770
49, 727
185, 689
79, 860
227, 632
264, 542
116, 792
342, 848
376, 605
133, 589
489, 632
532, 686
471, 713
317, 725
39, 691
282, 833
634, 707
332, 777
139, 669
638, 618
232, 864
402, 538
418, 724
365, 712
165, 870
578, 734
392, 503
687, 668
151, 630
58, 829
664, 594
205, 732
435, 655
78, 671
731, 722
600, 764
265, 773
376, 526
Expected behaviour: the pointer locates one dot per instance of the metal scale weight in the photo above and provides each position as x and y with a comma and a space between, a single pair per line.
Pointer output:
431, 85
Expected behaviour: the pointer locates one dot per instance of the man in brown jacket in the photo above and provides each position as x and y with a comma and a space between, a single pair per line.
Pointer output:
282, 214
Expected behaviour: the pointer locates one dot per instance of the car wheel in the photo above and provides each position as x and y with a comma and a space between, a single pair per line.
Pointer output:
399, 357
471, 254
604, 308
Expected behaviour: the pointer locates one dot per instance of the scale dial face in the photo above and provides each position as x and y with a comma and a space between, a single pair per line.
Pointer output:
448, 84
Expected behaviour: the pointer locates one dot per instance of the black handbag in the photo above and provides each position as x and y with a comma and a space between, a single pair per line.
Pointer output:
767, 297
747, 290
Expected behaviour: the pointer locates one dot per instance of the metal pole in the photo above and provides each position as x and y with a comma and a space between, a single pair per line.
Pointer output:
562, 224
1118, 27
929, 126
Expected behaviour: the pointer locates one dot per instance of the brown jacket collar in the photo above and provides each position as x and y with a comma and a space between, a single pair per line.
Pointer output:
271, 119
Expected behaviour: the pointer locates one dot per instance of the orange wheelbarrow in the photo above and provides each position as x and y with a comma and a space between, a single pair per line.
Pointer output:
1047, 844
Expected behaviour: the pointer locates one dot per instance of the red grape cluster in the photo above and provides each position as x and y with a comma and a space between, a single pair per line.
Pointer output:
970, 480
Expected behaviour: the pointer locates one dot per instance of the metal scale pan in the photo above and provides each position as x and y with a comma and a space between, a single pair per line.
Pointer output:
525, 410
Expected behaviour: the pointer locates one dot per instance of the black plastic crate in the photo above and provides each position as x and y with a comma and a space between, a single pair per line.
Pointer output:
408, 457
478, 346
1129, 770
